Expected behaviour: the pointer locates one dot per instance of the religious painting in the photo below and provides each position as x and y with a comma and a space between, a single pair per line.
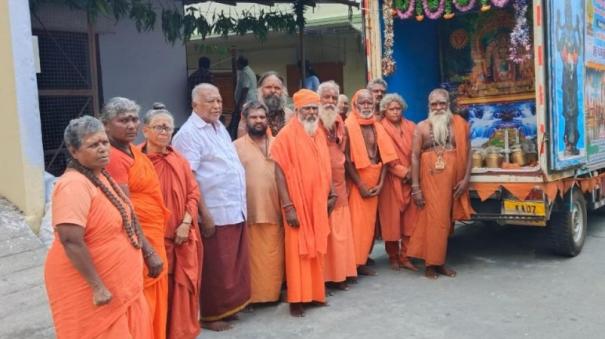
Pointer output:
594, 86
594, 104
595, 33
487, 121
566, 71
475, 58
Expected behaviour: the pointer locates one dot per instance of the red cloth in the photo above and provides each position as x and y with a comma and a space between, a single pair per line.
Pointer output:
181, 194
226, 279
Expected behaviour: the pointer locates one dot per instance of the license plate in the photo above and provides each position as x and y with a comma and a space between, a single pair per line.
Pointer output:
536, 208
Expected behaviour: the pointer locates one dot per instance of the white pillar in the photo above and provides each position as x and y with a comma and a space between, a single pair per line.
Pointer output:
22, 155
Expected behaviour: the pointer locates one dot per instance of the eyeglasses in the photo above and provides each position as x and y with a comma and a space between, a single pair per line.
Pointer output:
162, 128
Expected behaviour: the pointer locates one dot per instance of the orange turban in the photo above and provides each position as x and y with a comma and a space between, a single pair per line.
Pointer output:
305, 97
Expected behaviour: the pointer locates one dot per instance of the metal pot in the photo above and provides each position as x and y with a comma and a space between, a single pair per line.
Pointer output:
493, 160
518, 156
477, 159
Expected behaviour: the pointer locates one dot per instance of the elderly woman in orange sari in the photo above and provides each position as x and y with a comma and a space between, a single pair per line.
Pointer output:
136, 176
93, 269
182, 240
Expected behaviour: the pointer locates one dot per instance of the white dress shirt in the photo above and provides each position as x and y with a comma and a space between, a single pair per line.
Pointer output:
218, 171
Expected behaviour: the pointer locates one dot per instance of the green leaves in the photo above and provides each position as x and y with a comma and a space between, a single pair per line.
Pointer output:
182, 26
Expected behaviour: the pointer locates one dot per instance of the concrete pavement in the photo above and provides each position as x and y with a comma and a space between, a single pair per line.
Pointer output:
508, 286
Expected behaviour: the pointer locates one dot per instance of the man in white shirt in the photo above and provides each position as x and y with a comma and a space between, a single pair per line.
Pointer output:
245, 89
206, 144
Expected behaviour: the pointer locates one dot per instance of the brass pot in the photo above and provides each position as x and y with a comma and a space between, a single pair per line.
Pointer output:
518, 157
493, 160
477, 159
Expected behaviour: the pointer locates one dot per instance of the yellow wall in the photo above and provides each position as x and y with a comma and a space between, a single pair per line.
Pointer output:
21, 181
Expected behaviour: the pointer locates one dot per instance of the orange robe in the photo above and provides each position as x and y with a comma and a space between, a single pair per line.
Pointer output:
435, 219
395, 211
340, 258
305, 162
146, 196
181, 194
77, 201
265, 230
363, 211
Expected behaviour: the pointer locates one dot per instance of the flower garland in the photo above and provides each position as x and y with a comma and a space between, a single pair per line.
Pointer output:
388, 63
462, 7
520, 44
437, 13
408, 12
435, 9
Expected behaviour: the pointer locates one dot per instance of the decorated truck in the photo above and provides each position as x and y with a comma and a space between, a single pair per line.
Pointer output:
529, 76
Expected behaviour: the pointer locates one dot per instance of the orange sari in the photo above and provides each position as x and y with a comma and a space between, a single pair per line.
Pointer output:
77, 201
146, 196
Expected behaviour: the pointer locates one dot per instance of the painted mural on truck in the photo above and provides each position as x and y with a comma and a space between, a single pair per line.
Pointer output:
594, 87
566, 39
495, 93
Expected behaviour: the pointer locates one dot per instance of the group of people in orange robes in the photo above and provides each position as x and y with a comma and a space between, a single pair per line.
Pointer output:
115, 194
159, 245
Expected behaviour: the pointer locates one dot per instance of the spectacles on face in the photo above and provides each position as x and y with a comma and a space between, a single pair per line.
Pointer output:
162, 128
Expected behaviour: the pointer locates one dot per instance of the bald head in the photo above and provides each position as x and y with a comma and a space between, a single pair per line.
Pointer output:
207, 102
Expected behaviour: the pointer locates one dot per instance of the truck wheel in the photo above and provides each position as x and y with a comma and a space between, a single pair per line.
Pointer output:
568, 227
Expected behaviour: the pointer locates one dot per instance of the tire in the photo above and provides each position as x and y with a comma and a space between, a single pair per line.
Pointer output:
568, 227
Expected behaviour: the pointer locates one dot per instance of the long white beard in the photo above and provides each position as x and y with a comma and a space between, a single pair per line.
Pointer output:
309, 125
440, 121
328, 115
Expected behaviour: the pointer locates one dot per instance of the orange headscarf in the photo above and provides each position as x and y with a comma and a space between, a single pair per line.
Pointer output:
305, 97
359, 152
361, 120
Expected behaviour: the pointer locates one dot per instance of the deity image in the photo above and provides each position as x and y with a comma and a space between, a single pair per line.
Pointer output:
569, 39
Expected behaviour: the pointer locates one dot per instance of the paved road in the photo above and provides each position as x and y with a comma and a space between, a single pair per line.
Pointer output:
508, 286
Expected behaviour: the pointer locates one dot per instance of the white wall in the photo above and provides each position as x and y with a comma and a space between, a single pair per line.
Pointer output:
144, 67
21, 173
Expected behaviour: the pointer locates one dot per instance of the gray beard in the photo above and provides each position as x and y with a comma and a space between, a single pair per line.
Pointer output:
309, 126
441, 126
328, 117
274, 103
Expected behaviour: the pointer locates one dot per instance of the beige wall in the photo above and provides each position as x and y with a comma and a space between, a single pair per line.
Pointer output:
21, 171
330, 45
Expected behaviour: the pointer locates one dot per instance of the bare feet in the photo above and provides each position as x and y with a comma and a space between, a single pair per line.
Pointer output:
394, 265
297, 310
443, 270
408, 265
430, 272
365, 270
370, 262
217, 326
